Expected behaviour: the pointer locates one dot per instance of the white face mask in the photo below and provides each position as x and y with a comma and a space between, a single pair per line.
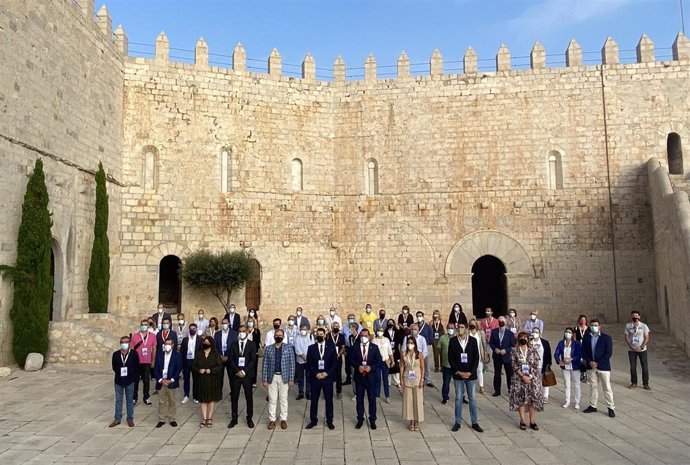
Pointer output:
243, 336
451, 331
379, 333
533, 317
124, 346
201, 316
180, 322
535, 335
364, 339
299, 312
368, 310
232, 309
160, 310
320, 322
420, 319
332, 313
291, 323
303, 332
167, 348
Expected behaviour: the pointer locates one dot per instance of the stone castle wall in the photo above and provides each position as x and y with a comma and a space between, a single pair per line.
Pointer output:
60, 100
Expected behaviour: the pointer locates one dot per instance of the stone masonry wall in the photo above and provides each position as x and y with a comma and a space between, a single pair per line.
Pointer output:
60, 100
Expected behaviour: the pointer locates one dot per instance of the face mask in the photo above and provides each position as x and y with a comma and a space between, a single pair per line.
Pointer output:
167, 348
533, 317
410, 346
276, 325
364, 339
336, 330
436, 317
319, 338
250, 324
379, 333
474, 326
512, 315
451, 331
535, 335
391, 326
456, 309
225, 326
299, 313
243, 336
462, 331
207, 345
252, 314
420, 319
636, 319
151, 325
143, 327
382, 315
232, 309
332, 312
488, 314
303, 332
501, 324
291, 322
415, 333
568, 335
320, 322
160, 310
368, 310
350, 320
180, 322
404, 312
124, 346
201, 316
279, 339
523, 341
166, 326
192, 332
594, 329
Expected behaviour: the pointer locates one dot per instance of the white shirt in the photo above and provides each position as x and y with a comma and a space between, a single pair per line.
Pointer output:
335, 318
384, 346
224, 339
421, 345
191, 347
269, 340
635, 334
536, 343
202, 325
166, 362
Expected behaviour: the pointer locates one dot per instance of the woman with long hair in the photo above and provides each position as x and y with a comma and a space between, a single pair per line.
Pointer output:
208, 365
213, 327
412, 380
525, 389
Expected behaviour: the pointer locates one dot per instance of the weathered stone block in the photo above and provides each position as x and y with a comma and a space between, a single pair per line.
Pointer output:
34, 362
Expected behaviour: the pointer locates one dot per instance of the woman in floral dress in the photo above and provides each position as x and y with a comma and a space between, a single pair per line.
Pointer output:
525, 388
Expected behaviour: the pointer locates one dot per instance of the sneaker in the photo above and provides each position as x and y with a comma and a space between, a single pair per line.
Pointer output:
444, 401
430, 385
590, 409
388, 400
147, 401
135, 402
300, 397
577, 406
566, 405
185, 399
477, 428
196, 401
354, 398
546, 400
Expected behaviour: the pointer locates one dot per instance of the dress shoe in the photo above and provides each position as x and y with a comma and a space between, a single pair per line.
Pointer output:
347, 382
173, 424
372, 424
331, 426
283, 424
271, 425
357, 426
310, 425
444, 401
456, 427
135, 402
113, 424
589, 409
477, 428
160, 424
632, 386
232, 423
464, 401
534, 426
250, 423
647, 388
496, 394
430, 385
612, 414
299, 397
130, 423
308, 397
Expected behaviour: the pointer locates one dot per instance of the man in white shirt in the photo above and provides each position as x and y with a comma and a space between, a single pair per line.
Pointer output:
182, 328
269, 339
333, 317
300, 319
201, 322
168, 367
302, 342
421, 341
292, 330
637, 338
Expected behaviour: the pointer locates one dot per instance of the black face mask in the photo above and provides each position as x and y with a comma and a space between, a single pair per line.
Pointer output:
391, 326
319, 338
523, 341
382, 315
501, 324
635, 318
207, 345
336, 330
473, 326
276, 325
279, 339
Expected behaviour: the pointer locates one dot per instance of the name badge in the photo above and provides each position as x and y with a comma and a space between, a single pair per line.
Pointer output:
123, 371
144, 351
241, 362
525, 369
364, 363
290, 339
404, 325
322, 365
411, 375
225, 349
636, 341
190, 356
463, 358
513, 330
437, 335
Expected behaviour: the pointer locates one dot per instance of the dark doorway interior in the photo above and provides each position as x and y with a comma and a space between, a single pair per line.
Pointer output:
252, 291
170, 285
489, 286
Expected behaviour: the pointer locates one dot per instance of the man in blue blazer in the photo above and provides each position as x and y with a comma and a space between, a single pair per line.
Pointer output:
364, 360
597, 349
502, 341
168, 367
322, 361
223, 339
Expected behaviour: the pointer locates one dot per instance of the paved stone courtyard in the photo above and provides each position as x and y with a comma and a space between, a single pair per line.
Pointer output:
61, 415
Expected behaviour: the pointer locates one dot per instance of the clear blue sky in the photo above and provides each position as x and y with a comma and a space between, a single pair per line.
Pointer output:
355, 28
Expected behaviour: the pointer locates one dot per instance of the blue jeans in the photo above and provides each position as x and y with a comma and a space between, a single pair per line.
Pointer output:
128, 393
468, 386
382, 377
445, 388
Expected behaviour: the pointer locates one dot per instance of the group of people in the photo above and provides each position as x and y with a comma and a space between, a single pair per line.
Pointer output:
374, 352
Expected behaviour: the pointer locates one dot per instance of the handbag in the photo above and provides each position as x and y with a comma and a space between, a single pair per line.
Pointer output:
260, 352
548, 378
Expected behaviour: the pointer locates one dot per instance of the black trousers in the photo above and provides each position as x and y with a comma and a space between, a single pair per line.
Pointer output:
633, 356
144, 374
235, 385
316, 388
498, 365
360, 390
221, 377
338, 376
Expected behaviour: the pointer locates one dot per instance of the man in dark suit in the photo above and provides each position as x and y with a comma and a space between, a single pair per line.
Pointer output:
234, 320
457, 316
364, 357
322, 363
165, 334
242, 364
191, 345
159, 316
223, 340
463, 357
597, 349
501, 342
168, 368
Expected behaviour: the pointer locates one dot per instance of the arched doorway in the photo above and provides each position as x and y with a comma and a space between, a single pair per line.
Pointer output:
489, 286
170, 284
252, 290
674, 153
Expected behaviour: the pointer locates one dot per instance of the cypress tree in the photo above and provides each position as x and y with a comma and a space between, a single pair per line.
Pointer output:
99, 269
33, 285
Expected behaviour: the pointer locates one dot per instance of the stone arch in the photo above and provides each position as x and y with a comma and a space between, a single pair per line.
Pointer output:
475, 245
166, 248
663, 132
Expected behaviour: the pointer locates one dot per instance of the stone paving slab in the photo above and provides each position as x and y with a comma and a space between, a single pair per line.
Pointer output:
61, 415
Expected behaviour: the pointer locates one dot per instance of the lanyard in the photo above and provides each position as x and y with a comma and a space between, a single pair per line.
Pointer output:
124, 359
335, 339
436, 326
364, 352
